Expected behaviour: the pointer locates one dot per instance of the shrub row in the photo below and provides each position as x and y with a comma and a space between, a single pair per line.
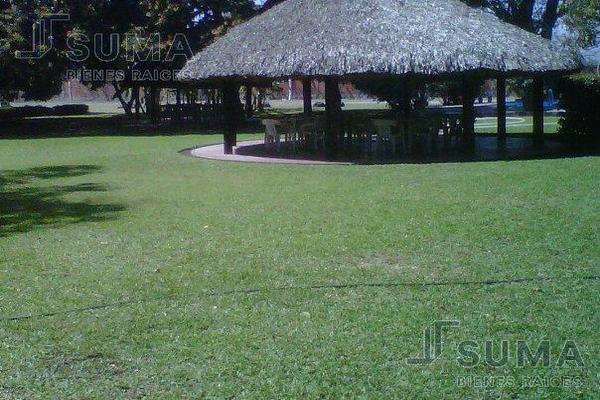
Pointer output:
15, 113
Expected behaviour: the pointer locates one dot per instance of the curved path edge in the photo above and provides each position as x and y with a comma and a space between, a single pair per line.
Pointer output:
216, 152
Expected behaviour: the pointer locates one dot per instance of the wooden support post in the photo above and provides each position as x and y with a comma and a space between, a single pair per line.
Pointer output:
307, 95
538, 112
333, 115
469, 94
405, 108
501, 94
231, 111
248, 102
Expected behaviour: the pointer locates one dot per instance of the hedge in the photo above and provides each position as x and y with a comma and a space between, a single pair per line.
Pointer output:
15, 113
580, 98
71, 109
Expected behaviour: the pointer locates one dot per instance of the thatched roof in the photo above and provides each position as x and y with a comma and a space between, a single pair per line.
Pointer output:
346, 37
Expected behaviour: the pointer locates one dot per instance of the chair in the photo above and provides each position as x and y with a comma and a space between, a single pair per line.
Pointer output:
312, 131
359, 133
302, 133
427, 130
288, 130
272, 135
385, 132
456, 129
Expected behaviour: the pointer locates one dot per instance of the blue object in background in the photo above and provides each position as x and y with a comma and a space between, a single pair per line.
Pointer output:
517, 105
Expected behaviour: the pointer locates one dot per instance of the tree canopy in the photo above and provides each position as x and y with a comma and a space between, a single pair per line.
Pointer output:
583, 17
195, 22
39, 78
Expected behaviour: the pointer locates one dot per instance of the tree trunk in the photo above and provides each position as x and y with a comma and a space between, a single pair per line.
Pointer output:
136, 94
154, 104
538, 112
549, 19
261, 100
290, 90
119, 94
178, 102
307, 96
524, 15
238, 105
147, 101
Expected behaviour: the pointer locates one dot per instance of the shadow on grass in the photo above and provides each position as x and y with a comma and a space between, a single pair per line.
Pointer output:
326, 287
24, 206
487, 148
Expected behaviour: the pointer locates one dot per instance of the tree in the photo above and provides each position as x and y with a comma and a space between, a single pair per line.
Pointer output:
87, 39
270, 4
522, 13
549, 18
402, 94
156, 37
96, 42
4, 48
38, 79
583, 18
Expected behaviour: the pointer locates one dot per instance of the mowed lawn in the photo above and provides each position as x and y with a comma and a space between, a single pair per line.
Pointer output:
142, 273
517, 125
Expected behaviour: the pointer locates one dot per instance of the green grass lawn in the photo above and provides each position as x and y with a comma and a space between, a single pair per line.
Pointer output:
148, 274
517, 125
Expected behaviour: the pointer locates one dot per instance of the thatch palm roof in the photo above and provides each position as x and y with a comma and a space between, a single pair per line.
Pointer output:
345, 37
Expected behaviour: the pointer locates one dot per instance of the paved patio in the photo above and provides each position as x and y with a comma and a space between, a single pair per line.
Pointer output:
255, 152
